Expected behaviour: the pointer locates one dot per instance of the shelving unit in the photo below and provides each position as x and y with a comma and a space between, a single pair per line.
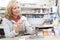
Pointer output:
35, 11
2, 11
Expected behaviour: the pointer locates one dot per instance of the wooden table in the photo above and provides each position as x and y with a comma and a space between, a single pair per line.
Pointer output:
44, 38
10, 38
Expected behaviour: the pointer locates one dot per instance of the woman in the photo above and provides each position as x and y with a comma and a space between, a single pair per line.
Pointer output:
13, 22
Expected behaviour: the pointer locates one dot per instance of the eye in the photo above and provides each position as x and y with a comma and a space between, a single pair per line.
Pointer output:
14, 8
18, 7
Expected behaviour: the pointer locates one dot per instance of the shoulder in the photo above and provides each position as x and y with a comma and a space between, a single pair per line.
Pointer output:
5, 20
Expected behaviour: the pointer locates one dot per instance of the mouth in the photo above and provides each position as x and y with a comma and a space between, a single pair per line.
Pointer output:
18, 12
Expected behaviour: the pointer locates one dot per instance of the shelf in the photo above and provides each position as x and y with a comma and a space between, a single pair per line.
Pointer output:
51, 13
33, 13
35, 7
2, 11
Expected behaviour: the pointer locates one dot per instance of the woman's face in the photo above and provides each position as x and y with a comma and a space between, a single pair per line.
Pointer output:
16, 9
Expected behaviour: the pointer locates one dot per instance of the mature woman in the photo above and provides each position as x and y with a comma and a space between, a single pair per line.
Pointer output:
13, 22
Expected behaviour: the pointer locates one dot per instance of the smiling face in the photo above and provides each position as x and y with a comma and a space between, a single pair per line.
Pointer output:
16, 9
13, 10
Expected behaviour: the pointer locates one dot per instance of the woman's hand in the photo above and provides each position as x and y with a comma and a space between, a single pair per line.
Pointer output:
19, 25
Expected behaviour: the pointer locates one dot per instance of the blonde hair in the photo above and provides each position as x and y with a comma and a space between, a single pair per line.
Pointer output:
8, 12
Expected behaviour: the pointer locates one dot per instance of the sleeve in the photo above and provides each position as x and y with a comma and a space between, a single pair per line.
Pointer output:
29, 28
7, 30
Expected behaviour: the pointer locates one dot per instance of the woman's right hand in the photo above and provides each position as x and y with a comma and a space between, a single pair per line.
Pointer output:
19, 25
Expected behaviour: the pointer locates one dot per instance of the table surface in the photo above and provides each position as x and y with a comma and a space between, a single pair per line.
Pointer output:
27, 38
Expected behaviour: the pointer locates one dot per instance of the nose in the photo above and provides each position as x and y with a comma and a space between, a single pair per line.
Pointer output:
18, 9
